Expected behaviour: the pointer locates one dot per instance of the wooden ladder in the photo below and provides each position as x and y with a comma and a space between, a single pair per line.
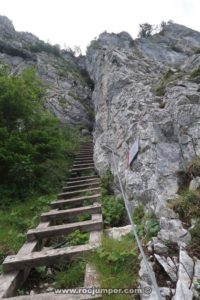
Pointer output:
76, 191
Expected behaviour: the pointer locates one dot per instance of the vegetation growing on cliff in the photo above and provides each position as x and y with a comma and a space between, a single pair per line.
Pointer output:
113, 209
35, 151
160, 87
35, 155
187, 206
41, 46
195, 73
147, 225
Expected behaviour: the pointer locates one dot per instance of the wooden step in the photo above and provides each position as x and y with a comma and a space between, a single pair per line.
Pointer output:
85, 226
86, 149
89, 148
43, 258
83, 178
83, 169
67, 195
90, 158
62, 214
80, 182
96, 236
91, 172
84, 158
81, 161
74, 201
84, 185
85, 153
83, 164
89, 153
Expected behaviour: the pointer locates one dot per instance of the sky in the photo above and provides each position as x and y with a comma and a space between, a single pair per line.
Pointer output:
76, 22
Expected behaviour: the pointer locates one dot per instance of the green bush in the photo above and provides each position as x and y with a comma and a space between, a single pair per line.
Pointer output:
138, 214
107, 183
152, 227
113, 211
187, 205
147, 225
41, 46
77, 238
35, 152
197, 286
145, 31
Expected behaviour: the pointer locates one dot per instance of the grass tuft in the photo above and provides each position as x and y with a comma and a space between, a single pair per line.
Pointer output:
147, 224
117, 264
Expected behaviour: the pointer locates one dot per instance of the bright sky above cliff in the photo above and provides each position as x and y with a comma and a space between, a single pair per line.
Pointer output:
77, 22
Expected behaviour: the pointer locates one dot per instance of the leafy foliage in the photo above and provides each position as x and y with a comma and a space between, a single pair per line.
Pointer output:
197, 286
35, 151
77, 238
138, 214
152, 227
187, 205
113, 211
41, 46
146, 30
107, 183
147, 224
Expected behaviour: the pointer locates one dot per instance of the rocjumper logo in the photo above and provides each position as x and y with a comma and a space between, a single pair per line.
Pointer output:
97, 291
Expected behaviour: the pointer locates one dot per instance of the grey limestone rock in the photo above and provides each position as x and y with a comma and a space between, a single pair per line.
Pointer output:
172, 230
195, 183
159, 247
185, 276
126, 108
118, 232
168, 265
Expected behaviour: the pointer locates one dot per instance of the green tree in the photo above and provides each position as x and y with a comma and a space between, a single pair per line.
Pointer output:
35, 152
146, 30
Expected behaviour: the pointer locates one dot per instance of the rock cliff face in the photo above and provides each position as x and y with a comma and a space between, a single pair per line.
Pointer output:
68, 87
144, 89
148, 89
